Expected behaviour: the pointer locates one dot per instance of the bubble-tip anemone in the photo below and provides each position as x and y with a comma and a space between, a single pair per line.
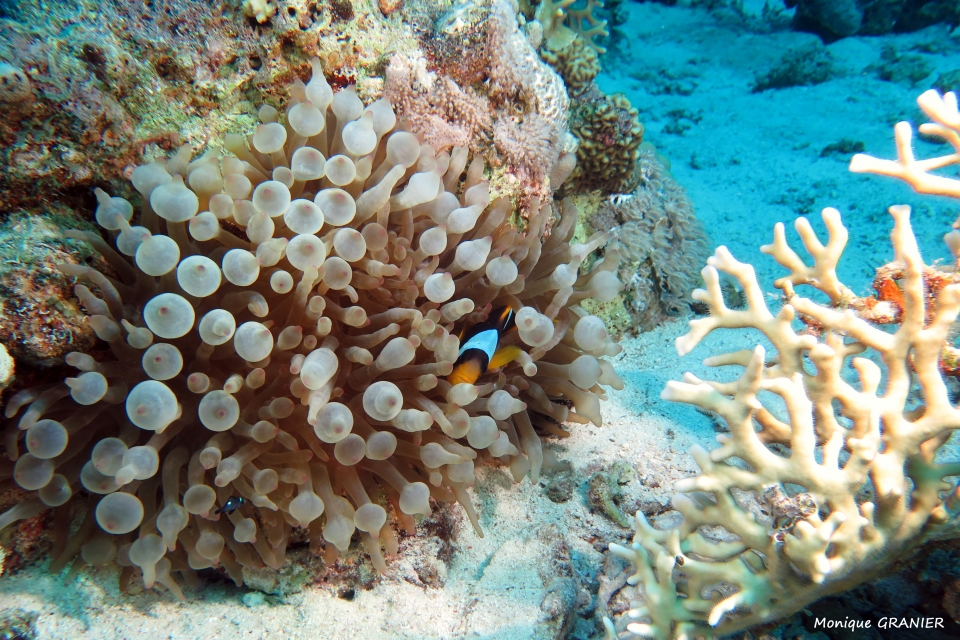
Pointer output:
283, 333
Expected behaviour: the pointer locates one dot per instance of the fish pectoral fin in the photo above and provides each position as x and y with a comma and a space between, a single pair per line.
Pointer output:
467, 372
503, 357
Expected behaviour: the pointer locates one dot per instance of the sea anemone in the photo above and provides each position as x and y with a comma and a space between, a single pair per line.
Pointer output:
281, 323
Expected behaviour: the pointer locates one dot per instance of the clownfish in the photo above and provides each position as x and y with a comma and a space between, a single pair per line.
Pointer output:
478, 348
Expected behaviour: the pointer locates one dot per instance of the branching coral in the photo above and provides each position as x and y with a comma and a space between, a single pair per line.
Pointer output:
843, 432
946, 124
587, 25
283, 335
878, 443
887, 306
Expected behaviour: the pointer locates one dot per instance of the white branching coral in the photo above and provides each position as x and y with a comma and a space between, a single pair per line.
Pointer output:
282, 321
946, 125
840, 437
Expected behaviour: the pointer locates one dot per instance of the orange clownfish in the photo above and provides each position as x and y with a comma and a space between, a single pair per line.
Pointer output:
478, 348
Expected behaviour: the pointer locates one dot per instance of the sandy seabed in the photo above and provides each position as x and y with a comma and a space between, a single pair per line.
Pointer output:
748, 160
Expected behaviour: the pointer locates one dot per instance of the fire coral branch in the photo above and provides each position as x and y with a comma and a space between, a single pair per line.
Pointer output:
855, 483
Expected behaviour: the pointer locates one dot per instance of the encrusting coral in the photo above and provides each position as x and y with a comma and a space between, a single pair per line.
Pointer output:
578, 64
283, 334
663, 243
522, 109
610, 134
842, 433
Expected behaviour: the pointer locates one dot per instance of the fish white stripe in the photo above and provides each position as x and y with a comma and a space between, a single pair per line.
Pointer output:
485, 341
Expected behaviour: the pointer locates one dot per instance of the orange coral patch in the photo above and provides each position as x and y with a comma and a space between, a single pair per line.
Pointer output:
889, 291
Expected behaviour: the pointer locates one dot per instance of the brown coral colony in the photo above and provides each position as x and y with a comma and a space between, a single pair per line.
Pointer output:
302, 364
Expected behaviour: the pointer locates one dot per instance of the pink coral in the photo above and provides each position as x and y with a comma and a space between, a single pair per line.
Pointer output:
448, 115
531, 145
524, 112
516, 69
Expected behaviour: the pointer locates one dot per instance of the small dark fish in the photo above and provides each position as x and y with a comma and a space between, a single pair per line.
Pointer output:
232, 504
478, 348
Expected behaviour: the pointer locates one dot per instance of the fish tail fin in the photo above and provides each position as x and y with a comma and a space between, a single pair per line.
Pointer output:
503, 357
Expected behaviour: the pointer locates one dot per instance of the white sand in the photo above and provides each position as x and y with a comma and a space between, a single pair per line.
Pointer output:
538, 557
